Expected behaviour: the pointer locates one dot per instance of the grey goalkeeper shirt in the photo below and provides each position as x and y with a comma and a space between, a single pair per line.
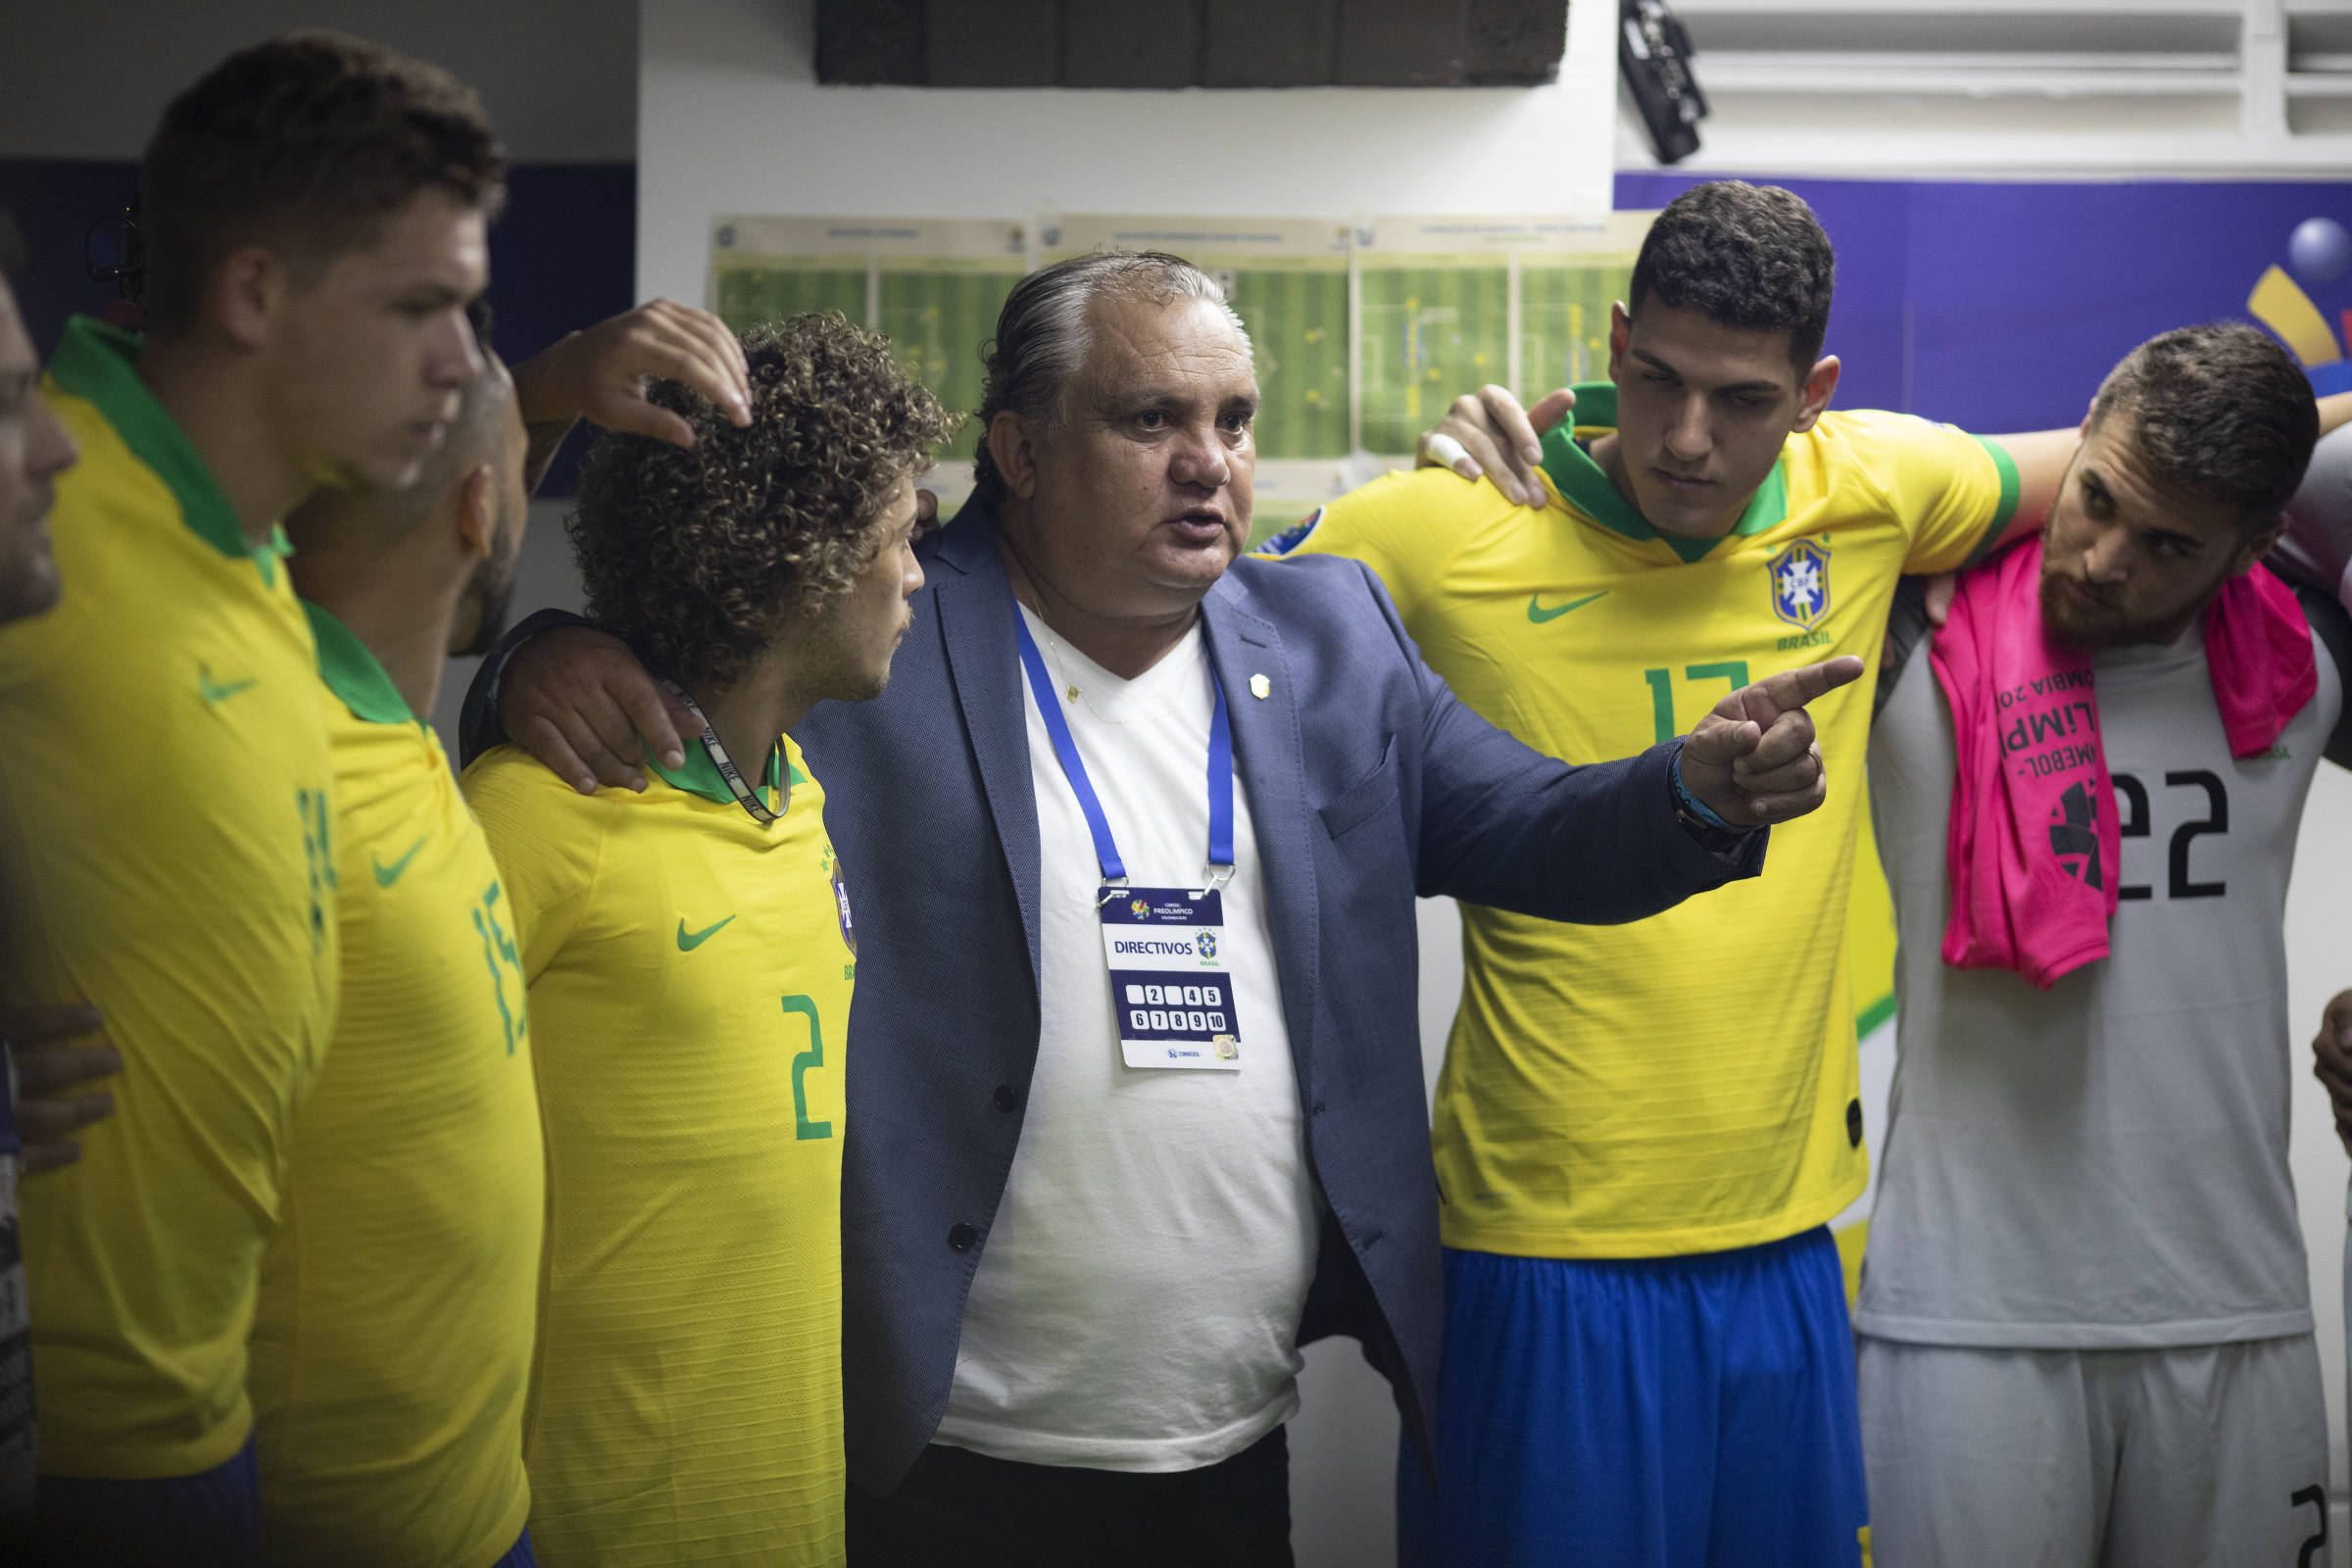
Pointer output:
2102, 1164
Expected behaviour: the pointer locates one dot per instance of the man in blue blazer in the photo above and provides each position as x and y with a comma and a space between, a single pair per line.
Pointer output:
1083, 1237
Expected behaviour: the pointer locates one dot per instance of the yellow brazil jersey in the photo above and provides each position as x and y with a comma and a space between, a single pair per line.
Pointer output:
1686, 1082
165, 854
690, 974
393, 1344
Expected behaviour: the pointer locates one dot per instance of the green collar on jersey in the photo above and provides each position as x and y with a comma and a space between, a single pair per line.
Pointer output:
699, 775
100, 365
1584, 485
353, 673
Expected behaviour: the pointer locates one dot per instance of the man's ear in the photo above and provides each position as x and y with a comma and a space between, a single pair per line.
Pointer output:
1621, 327
477, 510
1014, 453
1821, 386
2253, 550
245, 292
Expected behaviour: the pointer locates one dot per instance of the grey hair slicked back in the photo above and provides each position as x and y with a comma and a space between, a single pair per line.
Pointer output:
1040, 337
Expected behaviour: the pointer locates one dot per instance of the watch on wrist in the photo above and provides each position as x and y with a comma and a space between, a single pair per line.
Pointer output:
1718, 836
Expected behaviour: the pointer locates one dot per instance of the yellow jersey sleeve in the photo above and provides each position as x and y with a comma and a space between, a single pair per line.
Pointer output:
551, 841
1951, 493
1406, 526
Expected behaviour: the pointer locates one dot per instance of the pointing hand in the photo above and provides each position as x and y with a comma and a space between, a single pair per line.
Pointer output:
1754, 759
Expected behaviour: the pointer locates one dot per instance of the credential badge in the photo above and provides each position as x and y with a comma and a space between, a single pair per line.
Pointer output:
841, 906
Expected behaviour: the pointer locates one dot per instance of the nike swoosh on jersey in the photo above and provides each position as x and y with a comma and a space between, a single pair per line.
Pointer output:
1538, 615
688, 943
386, 875
215, 691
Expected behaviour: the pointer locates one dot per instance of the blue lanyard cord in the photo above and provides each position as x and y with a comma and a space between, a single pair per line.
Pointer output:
1220, 780
1073, 767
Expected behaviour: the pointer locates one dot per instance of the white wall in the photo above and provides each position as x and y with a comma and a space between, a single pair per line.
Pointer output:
89, 79
731, 120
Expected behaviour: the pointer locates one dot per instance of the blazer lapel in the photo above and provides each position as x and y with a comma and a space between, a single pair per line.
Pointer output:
975, 608
1246, 653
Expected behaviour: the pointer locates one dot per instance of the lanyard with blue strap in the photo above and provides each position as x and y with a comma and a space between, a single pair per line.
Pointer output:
1073, 768
1171, 993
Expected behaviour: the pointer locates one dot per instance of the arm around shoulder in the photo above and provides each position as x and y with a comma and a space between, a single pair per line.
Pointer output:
579, 699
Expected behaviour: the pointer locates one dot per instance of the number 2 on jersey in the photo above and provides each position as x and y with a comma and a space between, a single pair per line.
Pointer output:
814, 1057
1661, 689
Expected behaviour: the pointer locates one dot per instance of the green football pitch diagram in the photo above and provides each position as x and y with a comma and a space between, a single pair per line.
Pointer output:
938, 319
1433, 330
1423, 328
1297, 325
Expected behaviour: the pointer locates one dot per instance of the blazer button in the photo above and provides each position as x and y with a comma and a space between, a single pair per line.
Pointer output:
962, 1238
1006, 1100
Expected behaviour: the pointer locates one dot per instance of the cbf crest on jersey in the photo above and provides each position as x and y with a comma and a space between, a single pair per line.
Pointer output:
1800, 577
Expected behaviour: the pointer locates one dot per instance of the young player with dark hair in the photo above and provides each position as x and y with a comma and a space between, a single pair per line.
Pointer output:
316, 209
1638, 1173
690, 956
2086, 1331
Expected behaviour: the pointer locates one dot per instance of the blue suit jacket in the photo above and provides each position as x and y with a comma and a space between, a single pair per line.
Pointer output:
1368, 783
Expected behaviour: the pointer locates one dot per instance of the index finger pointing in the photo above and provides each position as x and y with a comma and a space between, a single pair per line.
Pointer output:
1795, 688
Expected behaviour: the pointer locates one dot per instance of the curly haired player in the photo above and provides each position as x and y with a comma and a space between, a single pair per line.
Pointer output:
689, 959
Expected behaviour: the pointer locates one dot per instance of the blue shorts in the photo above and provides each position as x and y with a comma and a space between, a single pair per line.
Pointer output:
520, 1554
211, 1520
1673, 1413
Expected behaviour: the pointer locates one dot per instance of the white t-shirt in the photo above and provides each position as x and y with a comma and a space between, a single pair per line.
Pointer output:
2101, 1166
1137, 1301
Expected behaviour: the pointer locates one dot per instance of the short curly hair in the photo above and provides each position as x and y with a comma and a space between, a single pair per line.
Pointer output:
1743, 255
697, 553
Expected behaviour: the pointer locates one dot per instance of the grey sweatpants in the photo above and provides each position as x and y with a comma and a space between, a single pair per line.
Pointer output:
2203, 1456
